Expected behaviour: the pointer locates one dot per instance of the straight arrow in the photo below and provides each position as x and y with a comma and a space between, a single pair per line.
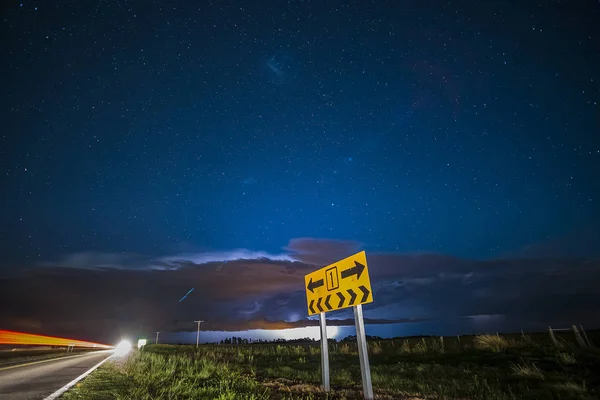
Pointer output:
310, 307
319, 304
327, 301
365, 293
352, 297
356, 270
313, 285
342, 299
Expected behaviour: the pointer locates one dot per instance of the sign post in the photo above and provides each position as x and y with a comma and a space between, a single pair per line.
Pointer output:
324, 352
340, 285
363, 354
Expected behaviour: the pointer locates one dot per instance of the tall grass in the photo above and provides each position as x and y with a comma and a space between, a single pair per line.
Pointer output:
180, 376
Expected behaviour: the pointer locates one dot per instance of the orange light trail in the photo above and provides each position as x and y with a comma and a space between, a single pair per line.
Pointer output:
20, 338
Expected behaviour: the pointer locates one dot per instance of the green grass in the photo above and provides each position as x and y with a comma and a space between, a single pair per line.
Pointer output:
485, 367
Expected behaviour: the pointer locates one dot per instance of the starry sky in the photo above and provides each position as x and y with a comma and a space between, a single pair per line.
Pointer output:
164, 137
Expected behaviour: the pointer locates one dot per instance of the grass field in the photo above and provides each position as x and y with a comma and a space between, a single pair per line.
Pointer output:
483, 367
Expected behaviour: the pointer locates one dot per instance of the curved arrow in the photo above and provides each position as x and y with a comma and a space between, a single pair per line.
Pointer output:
342, 299
365, 293
313, 285
319, 304
310, 307
327, 301
356, 270
352, 297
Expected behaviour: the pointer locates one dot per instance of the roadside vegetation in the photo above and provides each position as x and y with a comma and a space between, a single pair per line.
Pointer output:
16, 355
490, 367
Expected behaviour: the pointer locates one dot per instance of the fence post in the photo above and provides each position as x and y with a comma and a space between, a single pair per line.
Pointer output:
578, 337
585, 336
552, 337
442, 343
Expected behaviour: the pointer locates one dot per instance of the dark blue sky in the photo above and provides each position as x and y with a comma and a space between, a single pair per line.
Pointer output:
455, 128
469, 128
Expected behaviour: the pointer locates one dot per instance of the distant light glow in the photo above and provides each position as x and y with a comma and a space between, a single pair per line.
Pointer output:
312, 332
123, 348
20, 338
141, 343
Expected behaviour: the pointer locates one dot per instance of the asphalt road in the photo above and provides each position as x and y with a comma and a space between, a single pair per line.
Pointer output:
38, 379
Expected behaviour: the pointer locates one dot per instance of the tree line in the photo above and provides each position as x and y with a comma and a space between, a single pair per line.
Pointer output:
240, 341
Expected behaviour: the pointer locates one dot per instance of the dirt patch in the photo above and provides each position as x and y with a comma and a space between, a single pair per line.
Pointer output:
306, 388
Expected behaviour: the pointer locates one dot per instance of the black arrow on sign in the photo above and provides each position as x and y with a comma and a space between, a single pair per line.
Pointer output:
352, 297
342, 299
310, 307
327, 301
356, 270
319, 304
313, 285
365, 293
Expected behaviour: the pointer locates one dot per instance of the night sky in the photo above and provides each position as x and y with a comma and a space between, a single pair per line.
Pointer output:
171, 145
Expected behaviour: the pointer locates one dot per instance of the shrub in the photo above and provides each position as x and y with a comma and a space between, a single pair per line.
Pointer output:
566, 358
345, 349
421, 347
527, 371
493, 343
405, 348
375, 347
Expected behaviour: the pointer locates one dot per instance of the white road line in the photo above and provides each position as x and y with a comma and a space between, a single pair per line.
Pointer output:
69, 385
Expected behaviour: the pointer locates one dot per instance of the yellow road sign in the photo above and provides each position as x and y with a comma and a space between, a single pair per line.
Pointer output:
339, 285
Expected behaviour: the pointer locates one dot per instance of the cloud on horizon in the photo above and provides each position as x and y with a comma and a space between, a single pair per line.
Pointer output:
321, 251
117, 293
305, 250
101, 260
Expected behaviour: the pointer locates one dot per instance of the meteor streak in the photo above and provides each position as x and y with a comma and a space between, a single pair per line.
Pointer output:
186, 295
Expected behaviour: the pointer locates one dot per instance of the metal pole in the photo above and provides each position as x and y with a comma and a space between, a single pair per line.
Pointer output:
324, 352
198, 334
157, 337
365, 369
